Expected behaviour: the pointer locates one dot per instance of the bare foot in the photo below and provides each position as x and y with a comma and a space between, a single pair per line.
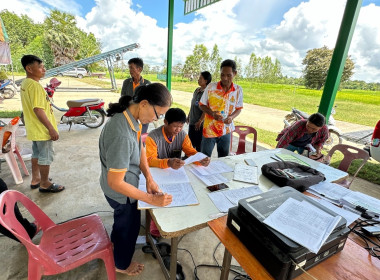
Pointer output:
134, 269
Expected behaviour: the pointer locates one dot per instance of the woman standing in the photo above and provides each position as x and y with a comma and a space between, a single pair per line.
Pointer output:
123, 158
196, 115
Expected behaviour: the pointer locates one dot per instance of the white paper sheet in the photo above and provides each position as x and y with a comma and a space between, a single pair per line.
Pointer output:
223, 200
245, 173
329, 190
166, 176
235, 195
348, 215
368, 204
209, 180
183, 194
215, 167
194, 158
303, 223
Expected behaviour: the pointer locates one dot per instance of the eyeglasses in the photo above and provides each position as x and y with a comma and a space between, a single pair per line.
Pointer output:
158, 116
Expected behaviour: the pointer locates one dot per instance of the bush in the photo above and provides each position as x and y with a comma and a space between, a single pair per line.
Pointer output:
3, 75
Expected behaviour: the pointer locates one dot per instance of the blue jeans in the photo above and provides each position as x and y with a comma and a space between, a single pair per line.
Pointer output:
294, 148
222, 145
125, 229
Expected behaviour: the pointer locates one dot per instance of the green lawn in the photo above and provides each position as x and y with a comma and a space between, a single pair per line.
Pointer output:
360, 107
354, 106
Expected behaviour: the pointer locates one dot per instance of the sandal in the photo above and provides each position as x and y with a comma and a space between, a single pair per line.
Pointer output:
33, 187
53, 188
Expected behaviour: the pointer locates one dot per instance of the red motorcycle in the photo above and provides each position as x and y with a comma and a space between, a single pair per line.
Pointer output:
89, 112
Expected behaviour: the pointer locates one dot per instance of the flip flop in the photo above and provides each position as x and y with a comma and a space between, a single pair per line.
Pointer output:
33, 187
53, 188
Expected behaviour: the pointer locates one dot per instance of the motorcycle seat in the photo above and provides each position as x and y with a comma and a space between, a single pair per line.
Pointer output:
303, 114
83, 102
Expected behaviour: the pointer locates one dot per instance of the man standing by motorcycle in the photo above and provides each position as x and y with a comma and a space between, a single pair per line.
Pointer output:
40, 124
302, 133
136, 66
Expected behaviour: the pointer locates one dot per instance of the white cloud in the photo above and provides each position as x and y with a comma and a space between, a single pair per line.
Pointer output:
31, 8
68, 6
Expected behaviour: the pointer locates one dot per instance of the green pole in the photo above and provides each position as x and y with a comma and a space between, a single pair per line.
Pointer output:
339, 56
170, 46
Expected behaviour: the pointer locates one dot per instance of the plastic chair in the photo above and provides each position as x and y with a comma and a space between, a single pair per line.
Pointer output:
350, 153
9, 148
62, 247
243, 131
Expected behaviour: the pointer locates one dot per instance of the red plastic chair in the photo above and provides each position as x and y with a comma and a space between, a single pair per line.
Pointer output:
350, 153
62, 247
243, 131
9, 149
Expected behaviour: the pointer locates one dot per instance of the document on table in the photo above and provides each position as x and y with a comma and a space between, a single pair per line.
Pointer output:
215, 167
166, 176
224, 200
329, 191
194, 158
292, 158
245, 173
348, 215
303, 223
183, 195
209, 180
221, 201
364, 202
235, 195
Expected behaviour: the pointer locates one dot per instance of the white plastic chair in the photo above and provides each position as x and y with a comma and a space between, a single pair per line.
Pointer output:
9, 149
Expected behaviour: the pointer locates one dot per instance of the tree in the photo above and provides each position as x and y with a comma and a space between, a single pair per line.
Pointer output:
63, 36
253, 67
214, 63
197, 62
239, 70
317, 63
177, 69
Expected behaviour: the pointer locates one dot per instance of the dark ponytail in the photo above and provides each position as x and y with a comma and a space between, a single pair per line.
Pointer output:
123, 104
155, 94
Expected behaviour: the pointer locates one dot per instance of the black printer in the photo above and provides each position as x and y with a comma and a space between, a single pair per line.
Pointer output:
278, 254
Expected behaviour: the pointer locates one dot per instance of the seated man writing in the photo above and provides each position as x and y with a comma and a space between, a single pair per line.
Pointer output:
165, 144
303, 132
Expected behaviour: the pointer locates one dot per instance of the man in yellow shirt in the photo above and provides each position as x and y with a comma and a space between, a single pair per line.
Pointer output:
40, 124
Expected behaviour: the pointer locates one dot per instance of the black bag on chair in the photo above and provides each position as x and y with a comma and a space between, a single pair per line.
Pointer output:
295, 175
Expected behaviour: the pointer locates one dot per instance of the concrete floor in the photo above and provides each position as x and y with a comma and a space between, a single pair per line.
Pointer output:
77, 167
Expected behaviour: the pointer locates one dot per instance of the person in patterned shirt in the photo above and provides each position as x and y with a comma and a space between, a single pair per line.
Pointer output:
303, 132
222, 102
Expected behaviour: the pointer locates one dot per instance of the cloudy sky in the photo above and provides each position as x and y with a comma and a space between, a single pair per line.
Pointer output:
282, 29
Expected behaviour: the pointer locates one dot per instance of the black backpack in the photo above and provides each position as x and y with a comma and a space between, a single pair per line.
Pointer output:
287, 173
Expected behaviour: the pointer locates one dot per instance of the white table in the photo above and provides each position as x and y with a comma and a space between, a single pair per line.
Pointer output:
175, 222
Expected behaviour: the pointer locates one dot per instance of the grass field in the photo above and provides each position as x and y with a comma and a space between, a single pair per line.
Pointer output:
360, 107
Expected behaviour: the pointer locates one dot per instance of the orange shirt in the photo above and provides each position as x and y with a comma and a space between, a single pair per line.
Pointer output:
152, 148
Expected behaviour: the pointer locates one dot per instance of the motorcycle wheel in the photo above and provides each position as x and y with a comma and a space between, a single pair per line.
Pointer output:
99, 114
8, 93
334, 139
